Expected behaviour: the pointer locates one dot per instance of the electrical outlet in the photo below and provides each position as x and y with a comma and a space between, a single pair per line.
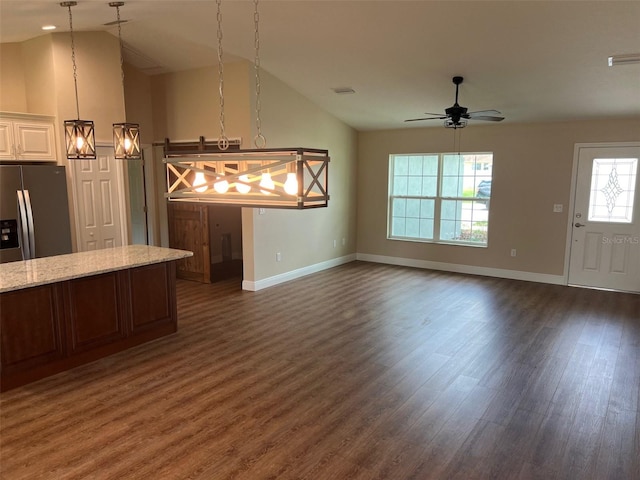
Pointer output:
513, 252
278, 257
262, 211
335, 243
344, 241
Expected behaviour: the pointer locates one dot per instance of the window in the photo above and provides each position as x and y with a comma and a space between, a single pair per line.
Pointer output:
613, 183
440, 197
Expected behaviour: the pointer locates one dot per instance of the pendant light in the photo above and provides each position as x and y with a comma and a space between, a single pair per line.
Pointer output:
79, 134
126, 136
261, 177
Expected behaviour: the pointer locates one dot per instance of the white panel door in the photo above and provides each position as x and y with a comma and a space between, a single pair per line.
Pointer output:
98, 192
605, 244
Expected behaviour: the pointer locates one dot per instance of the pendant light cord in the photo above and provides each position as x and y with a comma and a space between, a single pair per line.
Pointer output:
223, 141
117, 5
73, 59
259, 140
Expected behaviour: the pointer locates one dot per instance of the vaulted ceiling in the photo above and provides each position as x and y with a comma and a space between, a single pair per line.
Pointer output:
532, 60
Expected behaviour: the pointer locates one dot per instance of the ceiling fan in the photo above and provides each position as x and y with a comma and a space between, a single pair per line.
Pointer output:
457, 116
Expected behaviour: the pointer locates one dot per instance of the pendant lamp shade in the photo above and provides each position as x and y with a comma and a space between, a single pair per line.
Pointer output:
79, 134
126, 135
126, 141
80, 139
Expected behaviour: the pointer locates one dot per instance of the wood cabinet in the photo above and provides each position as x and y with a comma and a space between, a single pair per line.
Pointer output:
48, 329
152, 306
189, 230
32, 329
26, 137
101, 299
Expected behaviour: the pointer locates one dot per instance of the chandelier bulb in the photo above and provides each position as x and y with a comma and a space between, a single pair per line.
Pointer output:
221, 186
241, 187
266, 182
200, 184
291, 184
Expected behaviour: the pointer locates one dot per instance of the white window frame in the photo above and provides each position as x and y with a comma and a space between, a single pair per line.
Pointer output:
438, 198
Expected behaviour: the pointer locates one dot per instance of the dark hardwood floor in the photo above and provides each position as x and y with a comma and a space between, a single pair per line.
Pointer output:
364, 371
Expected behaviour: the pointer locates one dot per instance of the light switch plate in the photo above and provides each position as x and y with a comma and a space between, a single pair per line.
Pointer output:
557, 208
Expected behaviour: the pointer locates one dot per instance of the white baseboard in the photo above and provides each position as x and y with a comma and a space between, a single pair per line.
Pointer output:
405, 262
468, 269
292, 275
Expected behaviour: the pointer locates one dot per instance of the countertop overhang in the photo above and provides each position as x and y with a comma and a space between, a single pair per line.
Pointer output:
42, 271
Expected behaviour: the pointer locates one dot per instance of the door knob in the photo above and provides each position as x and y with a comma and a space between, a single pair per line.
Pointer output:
579, 225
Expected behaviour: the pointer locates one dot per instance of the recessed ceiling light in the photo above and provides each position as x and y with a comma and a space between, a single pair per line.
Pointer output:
49, 27
624, 59
344, 90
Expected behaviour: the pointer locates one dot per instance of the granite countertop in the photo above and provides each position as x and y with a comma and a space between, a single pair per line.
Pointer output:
41, 271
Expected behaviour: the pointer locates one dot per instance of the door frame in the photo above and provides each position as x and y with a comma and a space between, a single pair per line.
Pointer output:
572, 196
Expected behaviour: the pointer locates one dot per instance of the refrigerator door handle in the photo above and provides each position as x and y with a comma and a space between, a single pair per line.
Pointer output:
24, 227
32, 236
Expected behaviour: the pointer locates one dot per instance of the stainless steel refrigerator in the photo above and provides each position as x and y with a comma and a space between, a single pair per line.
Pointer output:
34, 212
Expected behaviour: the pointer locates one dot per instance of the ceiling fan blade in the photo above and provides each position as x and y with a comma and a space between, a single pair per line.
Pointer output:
492, 113
488, 115
427, 118
439, 115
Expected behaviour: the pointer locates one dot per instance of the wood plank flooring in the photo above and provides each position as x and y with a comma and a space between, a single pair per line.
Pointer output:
364, 371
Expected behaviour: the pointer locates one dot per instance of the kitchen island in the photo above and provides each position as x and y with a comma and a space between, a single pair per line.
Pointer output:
63, 311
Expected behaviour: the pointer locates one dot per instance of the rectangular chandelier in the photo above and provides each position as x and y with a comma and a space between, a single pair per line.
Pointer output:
273, 178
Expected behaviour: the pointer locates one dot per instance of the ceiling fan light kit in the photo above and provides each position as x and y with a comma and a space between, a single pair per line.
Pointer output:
457, 116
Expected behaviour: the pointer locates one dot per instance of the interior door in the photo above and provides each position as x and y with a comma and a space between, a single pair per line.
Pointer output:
98, 192
605, 243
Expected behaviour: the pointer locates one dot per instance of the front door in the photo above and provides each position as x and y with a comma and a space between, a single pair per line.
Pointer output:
605, 243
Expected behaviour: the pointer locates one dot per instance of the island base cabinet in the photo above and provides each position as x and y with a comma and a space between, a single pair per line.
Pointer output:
101, 299
152, 304
52, 328
32, 332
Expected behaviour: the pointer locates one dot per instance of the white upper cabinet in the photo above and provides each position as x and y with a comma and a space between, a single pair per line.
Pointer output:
28, 138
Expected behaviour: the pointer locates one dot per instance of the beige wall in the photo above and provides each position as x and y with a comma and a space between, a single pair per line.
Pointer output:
532, 171
139, 102
100, 92
304, 237
186, 104
37, 77
40, 76
13, 96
